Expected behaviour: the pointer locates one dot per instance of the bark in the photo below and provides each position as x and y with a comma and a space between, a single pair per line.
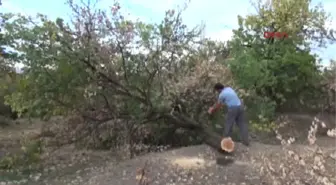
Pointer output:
210, 137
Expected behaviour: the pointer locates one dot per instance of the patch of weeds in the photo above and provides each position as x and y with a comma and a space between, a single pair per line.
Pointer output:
262, 124
263, 130
266, 127
15, 166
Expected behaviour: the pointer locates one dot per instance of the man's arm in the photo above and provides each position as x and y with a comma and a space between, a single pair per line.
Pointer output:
215, 107
218, 104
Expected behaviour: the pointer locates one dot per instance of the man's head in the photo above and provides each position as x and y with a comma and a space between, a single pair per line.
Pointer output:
218, 87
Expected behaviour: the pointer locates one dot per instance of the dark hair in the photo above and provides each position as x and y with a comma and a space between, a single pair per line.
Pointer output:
219, 86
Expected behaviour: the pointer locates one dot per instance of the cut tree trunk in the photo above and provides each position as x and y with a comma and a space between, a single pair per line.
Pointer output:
210, 137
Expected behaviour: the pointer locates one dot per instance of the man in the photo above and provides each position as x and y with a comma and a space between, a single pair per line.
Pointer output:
235, 114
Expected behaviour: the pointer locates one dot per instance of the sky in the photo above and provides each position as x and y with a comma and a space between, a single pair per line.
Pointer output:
219, 16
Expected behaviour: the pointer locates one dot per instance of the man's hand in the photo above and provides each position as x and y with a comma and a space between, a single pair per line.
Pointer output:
211, 109
214, 108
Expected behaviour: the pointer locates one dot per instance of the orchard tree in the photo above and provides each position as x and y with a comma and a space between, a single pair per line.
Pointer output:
279, 69
7, 71
105, 67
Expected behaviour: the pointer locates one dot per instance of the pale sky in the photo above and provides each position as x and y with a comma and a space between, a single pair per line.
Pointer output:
219, 16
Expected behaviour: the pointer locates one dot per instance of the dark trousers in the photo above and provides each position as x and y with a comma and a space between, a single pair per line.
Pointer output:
237, 115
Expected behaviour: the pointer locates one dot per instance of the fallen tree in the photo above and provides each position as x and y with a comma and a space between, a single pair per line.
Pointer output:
209, 137
107, 68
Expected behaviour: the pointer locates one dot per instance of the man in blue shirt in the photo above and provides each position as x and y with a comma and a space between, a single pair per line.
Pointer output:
227, 96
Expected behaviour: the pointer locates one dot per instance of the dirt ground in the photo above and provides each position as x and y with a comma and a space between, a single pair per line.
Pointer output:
189, 165
183, 166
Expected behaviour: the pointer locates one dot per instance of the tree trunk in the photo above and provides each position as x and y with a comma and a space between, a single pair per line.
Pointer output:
210, 137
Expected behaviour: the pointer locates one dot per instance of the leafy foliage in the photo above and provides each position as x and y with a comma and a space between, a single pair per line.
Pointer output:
279, 70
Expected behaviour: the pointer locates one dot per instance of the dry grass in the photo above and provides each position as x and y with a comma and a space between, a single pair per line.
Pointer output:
308, 167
